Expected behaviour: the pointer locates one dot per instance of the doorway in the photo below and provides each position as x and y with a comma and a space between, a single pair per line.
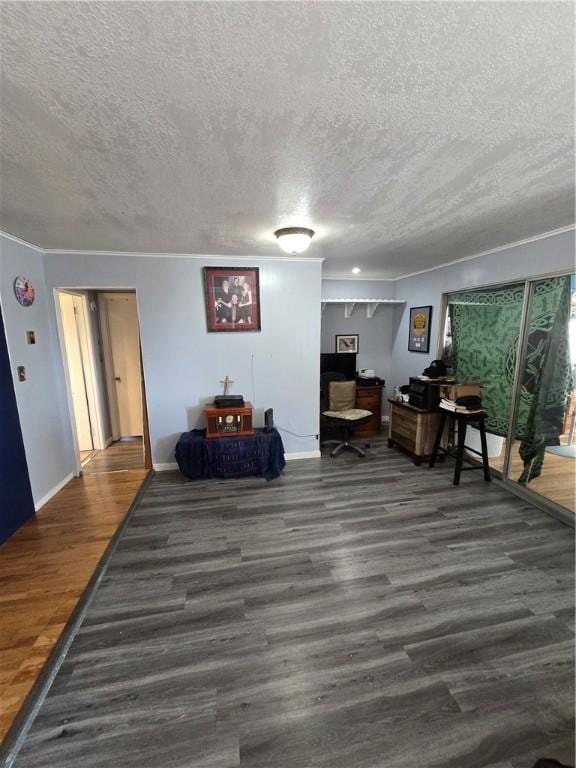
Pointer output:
77, 356
101, 351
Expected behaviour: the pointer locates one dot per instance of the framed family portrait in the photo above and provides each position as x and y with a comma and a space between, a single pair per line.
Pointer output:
420, 324
347, 343
232, 296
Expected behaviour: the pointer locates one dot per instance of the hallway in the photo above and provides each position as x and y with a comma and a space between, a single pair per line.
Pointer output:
122, 454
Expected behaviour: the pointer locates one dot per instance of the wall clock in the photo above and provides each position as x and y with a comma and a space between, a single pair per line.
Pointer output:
24, 291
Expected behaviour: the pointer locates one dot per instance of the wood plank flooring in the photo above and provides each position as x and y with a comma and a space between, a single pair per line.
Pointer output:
355, 613
557, 481
45, 567
122, 454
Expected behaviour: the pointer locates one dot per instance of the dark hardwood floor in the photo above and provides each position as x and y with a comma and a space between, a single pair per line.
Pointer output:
356, 613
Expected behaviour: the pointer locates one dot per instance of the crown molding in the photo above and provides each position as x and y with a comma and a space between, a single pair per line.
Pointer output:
196, 256
491, 251
364, 279
19, 241
498, 249
159, 255
272, 259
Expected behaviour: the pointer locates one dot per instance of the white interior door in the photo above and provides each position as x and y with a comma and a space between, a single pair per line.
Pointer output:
76, 373
124, 342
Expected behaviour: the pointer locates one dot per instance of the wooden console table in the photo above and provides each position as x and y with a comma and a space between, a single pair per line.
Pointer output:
412, 429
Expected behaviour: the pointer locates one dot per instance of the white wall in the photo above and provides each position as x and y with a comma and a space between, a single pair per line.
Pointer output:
41, 398
547, 255
376, 334
375, 342
356, 288
183, 363
384, 339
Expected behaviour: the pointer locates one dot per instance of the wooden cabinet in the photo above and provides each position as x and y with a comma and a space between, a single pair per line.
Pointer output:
370, 398
228, 422
412, 429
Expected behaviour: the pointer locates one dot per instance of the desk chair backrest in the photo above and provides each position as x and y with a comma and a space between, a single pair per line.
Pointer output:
325, 380
342, 395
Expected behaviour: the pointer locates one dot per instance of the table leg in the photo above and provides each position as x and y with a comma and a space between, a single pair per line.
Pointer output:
460, 452
438, 439
485, 463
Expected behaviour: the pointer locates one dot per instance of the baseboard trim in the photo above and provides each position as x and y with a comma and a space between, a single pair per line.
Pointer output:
302, 455
169, 466
45, 499
165, 467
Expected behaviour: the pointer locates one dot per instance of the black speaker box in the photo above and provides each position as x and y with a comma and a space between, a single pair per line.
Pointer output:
268, 420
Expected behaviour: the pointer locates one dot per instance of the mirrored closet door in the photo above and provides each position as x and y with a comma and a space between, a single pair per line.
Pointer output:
484, 331
543, 450
518, 341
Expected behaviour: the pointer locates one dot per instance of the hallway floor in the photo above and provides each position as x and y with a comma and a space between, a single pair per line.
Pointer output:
121, 454
45, 567
355, 613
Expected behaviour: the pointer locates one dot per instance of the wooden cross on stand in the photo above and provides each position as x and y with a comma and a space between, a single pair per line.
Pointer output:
227, 381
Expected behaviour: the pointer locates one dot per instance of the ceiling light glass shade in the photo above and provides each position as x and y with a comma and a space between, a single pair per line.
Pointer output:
294, 239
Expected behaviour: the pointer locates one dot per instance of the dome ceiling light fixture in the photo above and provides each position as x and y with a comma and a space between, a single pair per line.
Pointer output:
294, 239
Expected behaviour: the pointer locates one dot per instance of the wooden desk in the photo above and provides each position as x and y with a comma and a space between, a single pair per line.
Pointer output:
412, 429
370, 398
367, 397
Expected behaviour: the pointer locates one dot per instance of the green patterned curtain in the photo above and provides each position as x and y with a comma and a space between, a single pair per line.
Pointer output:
485, 330
547, 380
485, 334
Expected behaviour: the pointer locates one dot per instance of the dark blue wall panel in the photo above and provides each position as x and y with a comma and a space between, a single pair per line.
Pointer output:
16, 503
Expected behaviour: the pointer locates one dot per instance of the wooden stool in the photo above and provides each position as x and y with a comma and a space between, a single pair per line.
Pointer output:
462, 418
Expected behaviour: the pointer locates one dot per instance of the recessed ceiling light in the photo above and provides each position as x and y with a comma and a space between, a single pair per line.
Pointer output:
294, 239
356, 270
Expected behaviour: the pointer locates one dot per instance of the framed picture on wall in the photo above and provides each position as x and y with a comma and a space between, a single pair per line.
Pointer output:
232, 296
347, 343
420, 324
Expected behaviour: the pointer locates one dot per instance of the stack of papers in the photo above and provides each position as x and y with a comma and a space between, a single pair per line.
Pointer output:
450, 405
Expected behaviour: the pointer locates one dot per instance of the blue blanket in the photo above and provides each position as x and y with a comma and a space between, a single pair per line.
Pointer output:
259, 455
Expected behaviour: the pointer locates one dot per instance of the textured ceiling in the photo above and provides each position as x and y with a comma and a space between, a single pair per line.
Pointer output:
406, 134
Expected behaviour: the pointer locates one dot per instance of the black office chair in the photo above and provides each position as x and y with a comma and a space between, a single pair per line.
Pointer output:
344, 415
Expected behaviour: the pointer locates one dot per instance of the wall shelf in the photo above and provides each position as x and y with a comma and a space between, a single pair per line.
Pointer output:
371, 305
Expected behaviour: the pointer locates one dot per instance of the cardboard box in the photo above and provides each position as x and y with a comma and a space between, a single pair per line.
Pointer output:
454, 391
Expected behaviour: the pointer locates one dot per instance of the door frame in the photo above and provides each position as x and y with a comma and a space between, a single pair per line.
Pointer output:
108, 366
104, 289
92, 388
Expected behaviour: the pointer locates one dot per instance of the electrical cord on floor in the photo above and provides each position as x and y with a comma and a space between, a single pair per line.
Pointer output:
296, 434
282, 429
